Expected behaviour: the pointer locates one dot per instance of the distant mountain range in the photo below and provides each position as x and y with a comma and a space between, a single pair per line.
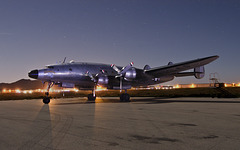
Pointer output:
23, 84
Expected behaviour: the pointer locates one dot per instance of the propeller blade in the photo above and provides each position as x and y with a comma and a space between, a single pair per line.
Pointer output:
125, 69
91, 76
116, 68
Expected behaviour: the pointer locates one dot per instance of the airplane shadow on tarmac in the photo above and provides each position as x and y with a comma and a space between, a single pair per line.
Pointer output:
152, 100
40, 131
157, 100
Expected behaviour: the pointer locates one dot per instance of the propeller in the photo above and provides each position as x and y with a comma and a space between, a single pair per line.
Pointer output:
121, 73
91, 76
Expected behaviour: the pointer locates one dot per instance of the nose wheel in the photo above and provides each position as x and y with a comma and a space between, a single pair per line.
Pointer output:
46, 100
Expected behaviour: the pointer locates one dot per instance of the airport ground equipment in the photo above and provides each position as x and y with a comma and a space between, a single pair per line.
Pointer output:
220, 89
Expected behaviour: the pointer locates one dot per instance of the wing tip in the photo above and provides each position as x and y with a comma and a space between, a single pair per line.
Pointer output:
213, 57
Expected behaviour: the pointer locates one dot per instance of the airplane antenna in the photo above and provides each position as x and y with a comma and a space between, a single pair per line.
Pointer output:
64, 60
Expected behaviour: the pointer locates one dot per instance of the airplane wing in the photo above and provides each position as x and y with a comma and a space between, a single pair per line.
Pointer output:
174, 69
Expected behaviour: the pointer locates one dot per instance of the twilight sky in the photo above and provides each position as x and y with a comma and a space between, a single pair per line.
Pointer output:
34, 33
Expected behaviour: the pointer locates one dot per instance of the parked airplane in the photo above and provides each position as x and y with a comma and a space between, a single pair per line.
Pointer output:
87, 76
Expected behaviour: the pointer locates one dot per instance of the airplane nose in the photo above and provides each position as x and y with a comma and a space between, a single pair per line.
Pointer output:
33, 74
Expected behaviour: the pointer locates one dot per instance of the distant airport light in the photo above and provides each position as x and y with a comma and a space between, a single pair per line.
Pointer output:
4, 90
193, 86
100, 88
177, 86
17, 91
76, 90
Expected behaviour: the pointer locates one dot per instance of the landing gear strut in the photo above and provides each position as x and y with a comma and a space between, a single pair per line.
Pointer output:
92, 97
46, 99
124, 97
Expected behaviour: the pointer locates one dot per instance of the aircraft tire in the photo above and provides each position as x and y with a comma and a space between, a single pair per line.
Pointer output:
91, 97
46, 100
125, 97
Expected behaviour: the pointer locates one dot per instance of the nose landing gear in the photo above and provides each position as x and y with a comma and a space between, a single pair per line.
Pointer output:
46, 99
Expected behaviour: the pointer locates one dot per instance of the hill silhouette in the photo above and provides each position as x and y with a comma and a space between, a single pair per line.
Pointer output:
23, 84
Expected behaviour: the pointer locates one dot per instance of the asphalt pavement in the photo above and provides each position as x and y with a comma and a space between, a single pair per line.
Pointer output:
144, 123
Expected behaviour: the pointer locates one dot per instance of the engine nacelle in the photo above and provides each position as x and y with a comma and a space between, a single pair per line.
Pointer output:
103, 80
199, 72
130, 74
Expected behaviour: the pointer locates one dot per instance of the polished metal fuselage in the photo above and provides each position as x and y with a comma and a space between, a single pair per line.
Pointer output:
77, 74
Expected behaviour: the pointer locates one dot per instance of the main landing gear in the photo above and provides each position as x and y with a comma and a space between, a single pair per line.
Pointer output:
92, 97
46, 99
124, 97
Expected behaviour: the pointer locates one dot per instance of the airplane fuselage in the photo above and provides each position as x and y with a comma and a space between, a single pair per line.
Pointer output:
76, 74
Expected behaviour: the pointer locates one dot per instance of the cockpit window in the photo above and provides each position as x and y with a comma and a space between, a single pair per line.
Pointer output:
50, 67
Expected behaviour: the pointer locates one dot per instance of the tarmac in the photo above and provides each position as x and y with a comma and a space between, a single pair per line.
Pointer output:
144, 123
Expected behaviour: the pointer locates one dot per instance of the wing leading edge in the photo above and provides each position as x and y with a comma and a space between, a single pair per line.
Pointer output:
174, 69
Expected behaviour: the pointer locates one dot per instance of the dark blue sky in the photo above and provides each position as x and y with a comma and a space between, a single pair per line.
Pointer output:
35, 33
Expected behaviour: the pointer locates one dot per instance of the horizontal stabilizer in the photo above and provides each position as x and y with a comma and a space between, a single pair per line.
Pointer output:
184, 74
